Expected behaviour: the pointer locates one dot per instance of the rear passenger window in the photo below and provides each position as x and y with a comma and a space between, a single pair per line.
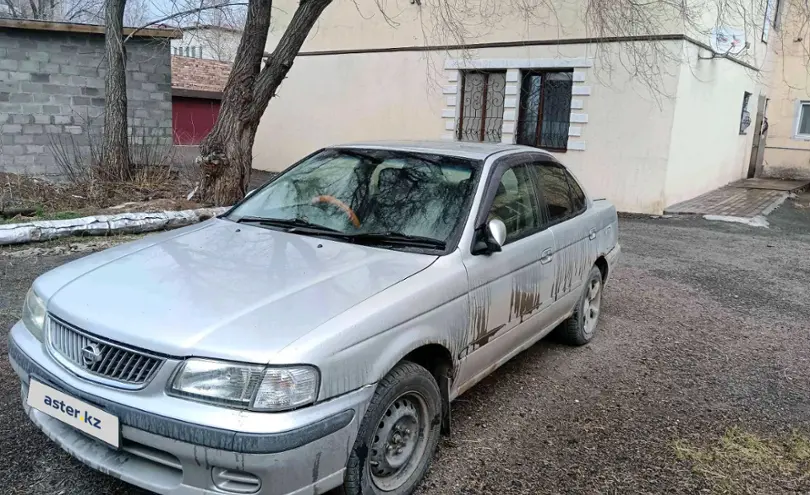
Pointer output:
577, 196
554, 187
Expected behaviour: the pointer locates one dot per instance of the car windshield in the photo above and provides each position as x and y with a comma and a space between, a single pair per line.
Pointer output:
368, 195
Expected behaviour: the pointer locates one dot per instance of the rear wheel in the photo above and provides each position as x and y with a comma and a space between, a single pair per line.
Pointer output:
580, 328
398, 435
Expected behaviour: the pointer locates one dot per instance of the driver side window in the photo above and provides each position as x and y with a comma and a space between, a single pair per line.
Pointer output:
515, 203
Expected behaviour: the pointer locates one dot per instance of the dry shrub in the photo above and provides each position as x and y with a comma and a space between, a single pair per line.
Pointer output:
88, 188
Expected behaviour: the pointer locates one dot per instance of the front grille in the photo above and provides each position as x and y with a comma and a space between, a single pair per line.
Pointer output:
102, 358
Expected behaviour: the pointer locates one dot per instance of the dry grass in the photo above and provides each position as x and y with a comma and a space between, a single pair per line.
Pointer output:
742, 462
150, 188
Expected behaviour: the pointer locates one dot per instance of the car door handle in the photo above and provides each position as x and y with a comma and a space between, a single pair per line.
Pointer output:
592, 234
546, 257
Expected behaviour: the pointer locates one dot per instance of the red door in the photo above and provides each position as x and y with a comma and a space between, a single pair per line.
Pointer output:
193, 118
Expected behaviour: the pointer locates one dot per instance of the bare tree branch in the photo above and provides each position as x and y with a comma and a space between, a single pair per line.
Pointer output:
184, 13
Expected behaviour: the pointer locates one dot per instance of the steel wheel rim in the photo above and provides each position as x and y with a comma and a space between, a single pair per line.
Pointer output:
399, 442
591, 305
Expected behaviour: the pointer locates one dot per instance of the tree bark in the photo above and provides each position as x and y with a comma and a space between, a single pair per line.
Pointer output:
115, 145
226, 154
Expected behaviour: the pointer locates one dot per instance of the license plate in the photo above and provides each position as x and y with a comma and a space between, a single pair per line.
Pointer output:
74, 412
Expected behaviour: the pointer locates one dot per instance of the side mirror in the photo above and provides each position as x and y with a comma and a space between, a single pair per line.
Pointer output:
497, 230
490, 238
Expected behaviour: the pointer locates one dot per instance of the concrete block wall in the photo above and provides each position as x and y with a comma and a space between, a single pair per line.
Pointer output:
52, 90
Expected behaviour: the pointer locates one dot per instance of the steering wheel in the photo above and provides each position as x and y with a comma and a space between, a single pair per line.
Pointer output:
340, 204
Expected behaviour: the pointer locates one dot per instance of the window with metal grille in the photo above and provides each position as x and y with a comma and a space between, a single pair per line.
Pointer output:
745, 116
482, 99
545, 109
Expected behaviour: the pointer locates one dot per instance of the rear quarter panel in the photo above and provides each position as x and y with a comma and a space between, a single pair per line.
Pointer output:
576, 253
606, 222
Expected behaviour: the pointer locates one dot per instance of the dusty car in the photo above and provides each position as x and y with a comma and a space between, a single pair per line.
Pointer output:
314, 335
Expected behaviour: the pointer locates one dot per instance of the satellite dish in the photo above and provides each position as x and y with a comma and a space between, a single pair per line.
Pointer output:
728, 41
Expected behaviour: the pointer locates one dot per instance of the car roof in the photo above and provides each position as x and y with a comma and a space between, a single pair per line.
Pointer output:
475, 151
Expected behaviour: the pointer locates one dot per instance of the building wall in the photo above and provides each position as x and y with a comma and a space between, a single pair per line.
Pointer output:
707, 150
786, 154
651, 123
52, 90
361, 25
619, 144
208, 43
352, 25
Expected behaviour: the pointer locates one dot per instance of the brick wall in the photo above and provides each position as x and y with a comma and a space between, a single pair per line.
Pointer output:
199, 74
52, 90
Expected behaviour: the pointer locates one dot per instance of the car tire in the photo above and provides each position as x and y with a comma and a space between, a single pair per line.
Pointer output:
580, 328
408, 400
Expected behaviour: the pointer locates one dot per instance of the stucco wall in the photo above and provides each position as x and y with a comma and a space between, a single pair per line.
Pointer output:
623, 141
787, 155
348, 25
707, 150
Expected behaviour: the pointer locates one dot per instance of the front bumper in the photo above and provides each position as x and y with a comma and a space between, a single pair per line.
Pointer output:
170, 456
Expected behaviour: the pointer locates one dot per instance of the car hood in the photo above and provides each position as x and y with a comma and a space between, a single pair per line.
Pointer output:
222, 290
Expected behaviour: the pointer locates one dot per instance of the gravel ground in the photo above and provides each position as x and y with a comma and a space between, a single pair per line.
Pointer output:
705, 328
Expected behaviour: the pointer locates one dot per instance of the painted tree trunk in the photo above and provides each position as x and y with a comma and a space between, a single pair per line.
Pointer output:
115, 144
226, 154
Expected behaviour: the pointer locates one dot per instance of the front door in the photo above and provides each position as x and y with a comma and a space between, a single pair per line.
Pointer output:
509, 289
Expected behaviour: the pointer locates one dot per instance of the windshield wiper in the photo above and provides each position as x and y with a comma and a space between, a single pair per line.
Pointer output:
398, 239
305, 227
293, 224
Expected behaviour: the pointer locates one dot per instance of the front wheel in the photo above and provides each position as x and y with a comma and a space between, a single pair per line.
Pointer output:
398, 435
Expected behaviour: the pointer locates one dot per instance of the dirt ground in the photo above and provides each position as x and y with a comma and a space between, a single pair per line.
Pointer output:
697, 382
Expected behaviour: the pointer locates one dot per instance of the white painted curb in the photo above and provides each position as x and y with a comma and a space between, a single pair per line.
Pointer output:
121, 223
757, 221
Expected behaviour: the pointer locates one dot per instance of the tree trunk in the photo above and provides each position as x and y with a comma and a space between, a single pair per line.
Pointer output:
226, 154
115, 146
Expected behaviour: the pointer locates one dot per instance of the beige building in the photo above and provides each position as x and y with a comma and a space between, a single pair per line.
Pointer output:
207, 42
786, 143
643, 121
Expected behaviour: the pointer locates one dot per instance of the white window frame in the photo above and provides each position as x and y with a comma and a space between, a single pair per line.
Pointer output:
800, 104
514, 67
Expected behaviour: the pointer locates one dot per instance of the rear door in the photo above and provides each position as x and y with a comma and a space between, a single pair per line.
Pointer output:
568, 220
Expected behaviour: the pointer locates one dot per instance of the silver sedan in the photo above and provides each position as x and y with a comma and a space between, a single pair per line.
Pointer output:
314, 336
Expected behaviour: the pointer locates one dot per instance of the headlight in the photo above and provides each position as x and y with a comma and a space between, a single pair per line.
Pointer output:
258, 388
33, 314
